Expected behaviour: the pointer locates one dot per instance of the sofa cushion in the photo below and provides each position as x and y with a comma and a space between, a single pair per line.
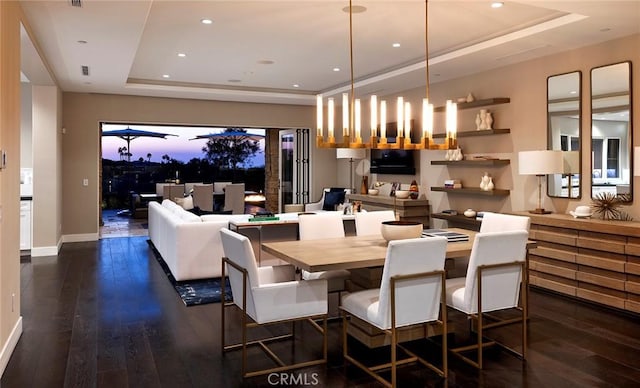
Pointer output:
186, 202
333, 197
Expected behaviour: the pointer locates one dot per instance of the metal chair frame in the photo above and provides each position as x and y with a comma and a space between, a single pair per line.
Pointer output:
393, 331
247, 323
479, 319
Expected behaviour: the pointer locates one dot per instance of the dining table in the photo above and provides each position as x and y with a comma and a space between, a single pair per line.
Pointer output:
351, 252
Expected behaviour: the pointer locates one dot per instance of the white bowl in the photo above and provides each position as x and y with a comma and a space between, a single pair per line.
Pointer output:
582, 211
400, 230
402, 194
374, 191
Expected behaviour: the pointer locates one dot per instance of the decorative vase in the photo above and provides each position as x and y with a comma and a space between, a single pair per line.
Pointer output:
414, 191
470, 97
488, 121
447, 155
483, 119
364, 187
490, 185
484, 182
478, 122
458, 154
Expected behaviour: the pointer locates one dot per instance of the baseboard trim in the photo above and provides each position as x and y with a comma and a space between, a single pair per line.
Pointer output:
10, 345
80, 237
45, 251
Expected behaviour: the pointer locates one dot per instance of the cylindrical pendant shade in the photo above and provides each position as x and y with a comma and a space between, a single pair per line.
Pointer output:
540, 162
350, 153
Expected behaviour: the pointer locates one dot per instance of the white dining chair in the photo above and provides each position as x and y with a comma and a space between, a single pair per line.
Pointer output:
498, 222
370, 223
495, 280
269, 295
203, 197
411, 292
323, 226
234, 198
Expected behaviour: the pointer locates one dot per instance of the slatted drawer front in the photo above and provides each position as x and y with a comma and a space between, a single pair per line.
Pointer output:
551, 282
556, 252
553, 267
600, 277
633, 303
632, 285
602, 241
602, 295
555, 235
600, 259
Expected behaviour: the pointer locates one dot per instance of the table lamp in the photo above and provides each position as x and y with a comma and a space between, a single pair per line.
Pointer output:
351, 154
540, 163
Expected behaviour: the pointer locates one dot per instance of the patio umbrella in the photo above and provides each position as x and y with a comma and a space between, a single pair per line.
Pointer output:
131, 134
231, 135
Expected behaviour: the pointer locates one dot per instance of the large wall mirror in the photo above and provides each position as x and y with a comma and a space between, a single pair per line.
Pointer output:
564, 114
611, 132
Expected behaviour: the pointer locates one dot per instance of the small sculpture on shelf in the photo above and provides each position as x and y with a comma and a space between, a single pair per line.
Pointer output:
486, 183
414, 191
484, 120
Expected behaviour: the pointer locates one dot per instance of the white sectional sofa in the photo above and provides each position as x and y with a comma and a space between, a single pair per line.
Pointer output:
189, 244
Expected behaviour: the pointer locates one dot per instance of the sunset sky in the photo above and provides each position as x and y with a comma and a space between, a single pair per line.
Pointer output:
178, 147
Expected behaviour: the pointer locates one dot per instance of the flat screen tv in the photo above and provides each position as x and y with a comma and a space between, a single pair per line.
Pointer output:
399, 162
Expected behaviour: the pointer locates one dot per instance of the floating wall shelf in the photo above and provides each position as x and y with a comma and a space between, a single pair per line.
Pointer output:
471, 162
473, 191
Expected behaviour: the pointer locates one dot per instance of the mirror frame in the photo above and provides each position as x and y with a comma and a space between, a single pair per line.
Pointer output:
580, 140
630, 145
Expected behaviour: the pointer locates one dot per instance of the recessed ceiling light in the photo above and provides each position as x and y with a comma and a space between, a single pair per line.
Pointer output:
296, 85
165, 76
265, 62
336, 69
396, 45
206, 21
182, 55
355, 9
573, 92
606, 29
235, 80
82, 41
497, 4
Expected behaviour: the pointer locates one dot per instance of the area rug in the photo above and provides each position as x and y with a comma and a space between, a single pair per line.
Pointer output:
194, 292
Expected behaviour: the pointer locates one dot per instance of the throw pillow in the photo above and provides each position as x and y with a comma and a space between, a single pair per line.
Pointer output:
186, 202
333, 198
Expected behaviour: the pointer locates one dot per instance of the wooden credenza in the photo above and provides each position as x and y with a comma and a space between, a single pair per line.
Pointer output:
590, 259
407, 209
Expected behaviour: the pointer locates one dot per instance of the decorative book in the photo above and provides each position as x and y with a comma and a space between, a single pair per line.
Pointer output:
451, 236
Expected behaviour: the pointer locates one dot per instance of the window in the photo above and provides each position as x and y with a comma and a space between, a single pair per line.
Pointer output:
605, 158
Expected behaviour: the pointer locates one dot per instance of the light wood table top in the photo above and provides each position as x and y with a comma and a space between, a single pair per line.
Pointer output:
348, 252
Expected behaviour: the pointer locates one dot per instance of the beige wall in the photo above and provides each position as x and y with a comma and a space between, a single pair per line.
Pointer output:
82, 114
47, 169
525, 115
10, 321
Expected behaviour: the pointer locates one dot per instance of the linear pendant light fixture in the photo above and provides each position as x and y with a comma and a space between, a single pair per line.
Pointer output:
351, 115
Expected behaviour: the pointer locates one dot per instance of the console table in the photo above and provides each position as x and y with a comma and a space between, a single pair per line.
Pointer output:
590, 259
407, 209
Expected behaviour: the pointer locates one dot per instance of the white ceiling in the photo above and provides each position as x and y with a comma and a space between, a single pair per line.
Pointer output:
131, 44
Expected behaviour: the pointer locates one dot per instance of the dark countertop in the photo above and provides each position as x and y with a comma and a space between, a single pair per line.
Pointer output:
26, 198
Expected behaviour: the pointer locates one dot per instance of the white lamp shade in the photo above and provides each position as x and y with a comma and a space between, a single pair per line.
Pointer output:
540, 162
571, 162
350, 153
636, 161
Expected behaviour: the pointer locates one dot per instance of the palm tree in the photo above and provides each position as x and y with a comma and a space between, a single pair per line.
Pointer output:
149, 157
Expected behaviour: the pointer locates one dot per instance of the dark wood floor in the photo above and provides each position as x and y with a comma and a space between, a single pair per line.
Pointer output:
104, 314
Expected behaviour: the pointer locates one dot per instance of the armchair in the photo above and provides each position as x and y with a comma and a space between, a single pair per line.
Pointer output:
330, 197
269, 295
496, 279
411, 292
